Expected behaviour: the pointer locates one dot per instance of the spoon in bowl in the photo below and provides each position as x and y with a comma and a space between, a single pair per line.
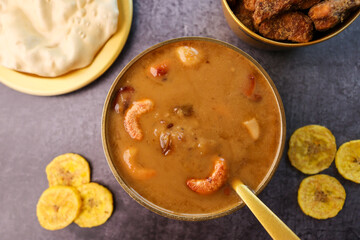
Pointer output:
276, 228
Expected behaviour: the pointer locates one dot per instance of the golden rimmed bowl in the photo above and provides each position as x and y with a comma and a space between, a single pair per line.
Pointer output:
144, 202
261, 42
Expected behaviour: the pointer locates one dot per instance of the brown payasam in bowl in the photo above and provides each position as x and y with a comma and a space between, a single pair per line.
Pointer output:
186, 117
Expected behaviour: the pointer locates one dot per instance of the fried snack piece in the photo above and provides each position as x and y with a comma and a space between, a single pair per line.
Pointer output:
244, 15
312, 149
293, 26
97, 205
68, 169
347, 160
327, 14
306, 4
58, 207
249, 5
321, 196
265, 9
131, 122
211, 184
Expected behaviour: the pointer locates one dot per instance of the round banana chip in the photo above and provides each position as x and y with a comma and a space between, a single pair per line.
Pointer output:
348, 160
321, 196
97, 205
58, 207
68, 169
312, 149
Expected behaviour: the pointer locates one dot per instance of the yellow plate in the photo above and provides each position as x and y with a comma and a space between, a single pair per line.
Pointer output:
42, 86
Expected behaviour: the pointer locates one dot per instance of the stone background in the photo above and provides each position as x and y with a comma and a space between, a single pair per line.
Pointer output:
318, 84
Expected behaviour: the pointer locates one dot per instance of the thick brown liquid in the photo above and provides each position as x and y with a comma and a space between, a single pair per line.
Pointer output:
216, 89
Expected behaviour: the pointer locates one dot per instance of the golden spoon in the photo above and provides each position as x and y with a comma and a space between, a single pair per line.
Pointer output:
272, 224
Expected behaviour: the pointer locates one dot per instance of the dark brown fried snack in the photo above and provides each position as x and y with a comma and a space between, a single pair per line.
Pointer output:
244, 15
293, 26
249, 4
265, 9
306, 4
327, 14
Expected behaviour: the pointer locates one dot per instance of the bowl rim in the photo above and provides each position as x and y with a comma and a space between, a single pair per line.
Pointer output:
260, 38
157, 209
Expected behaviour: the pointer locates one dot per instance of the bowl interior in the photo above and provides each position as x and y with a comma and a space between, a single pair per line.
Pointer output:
144, 202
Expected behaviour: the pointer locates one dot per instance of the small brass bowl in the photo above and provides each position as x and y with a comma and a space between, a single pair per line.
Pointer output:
141, 200
261, 42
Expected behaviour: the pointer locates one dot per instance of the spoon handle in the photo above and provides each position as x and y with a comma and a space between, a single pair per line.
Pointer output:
272, 224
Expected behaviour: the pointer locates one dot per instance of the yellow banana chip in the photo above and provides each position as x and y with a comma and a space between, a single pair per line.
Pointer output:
312, 149
68, 169
97, 205
348, 160
321, 196
58, 207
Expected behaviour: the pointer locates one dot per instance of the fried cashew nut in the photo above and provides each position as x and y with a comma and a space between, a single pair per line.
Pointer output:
132, 115
213, 183
189, 56
135, 170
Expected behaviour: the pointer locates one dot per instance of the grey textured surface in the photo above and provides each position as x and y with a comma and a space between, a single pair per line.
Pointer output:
318, 84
